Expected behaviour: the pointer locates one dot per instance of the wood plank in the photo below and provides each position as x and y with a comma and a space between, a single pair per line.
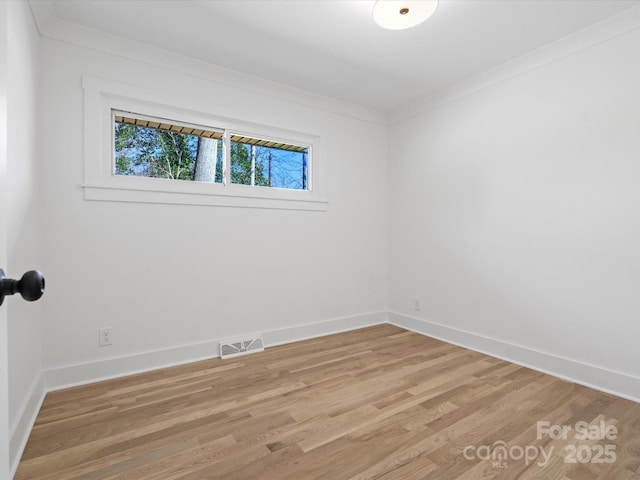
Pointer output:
376, 403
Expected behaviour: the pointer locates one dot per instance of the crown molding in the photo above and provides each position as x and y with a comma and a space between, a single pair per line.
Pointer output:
616, 26
50, 26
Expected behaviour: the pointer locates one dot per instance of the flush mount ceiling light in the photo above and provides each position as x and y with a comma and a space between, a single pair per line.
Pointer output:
401, 14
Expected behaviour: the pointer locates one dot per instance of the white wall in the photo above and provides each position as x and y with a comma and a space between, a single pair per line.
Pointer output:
514, 214
23, 232
164, 276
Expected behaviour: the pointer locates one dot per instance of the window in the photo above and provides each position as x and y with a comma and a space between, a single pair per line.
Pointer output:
155, 148
268, 164
158, 148
142, 147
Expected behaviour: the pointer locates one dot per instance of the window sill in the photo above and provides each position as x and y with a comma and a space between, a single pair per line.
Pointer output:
137, 194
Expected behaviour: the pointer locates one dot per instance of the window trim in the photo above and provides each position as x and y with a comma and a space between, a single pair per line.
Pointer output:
102, 98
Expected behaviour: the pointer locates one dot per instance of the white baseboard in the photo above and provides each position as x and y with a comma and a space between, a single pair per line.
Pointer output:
22, 426
90, 372
81, 374
320, 329
592, 376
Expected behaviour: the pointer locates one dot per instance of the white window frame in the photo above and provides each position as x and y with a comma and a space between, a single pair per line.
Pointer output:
102, 98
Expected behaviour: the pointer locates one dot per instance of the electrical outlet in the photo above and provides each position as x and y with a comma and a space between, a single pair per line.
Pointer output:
416, 304
105, 336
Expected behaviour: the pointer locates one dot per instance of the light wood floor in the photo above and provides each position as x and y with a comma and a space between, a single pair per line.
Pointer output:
376, 403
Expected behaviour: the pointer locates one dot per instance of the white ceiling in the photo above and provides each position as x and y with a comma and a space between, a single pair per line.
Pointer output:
333, 47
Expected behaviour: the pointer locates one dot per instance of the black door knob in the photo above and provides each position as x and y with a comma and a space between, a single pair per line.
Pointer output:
30, 286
